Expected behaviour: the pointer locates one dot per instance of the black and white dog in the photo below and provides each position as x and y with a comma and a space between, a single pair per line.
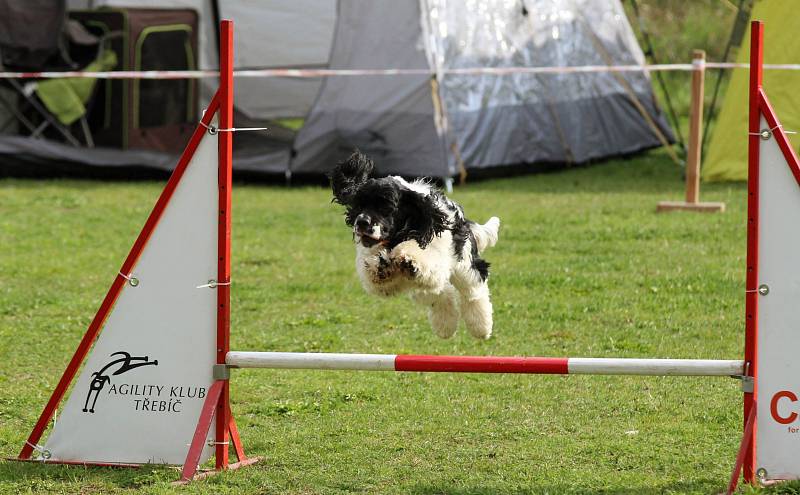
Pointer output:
411, 238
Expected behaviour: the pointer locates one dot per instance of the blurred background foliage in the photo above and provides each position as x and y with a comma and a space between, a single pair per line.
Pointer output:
674, 28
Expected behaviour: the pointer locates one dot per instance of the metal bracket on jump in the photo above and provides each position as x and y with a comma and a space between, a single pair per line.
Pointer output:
221, 372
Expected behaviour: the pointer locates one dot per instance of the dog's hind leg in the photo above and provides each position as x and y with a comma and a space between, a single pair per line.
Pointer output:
443, 313
476, 305
476, 308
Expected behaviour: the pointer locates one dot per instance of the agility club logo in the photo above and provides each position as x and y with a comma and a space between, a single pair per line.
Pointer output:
123, 363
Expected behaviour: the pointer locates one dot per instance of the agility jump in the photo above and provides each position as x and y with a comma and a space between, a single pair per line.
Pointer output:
170, 307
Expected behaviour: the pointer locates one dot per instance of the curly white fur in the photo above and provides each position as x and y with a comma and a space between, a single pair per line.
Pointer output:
410, 238
451, 288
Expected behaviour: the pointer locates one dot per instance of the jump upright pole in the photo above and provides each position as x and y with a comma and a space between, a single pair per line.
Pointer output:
748, 447
224, 234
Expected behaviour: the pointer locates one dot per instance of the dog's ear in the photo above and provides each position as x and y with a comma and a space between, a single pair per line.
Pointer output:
349, 175
420, 218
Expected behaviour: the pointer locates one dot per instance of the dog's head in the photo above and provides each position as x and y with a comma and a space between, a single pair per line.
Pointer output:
384, 210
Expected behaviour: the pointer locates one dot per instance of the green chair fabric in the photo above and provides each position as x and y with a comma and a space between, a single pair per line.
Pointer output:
67, 98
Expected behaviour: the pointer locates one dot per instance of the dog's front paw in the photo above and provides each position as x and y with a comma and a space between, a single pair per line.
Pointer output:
403, 256
384, 268
408, 266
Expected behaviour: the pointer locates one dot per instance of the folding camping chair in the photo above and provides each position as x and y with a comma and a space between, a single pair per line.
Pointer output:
39, 105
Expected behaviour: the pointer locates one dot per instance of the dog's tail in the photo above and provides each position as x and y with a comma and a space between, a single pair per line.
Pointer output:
486, 234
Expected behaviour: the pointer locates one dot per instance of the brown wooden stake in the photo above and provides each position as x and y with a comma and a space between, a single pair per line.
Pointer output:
695, 127
693, 159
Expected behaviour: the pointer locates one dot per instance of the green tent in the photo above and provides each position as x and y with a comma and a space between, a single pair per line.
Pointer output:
726, 157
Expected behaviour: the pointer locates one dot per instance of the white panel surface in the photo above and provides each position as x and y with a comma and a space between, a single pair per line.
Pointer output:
145, 409
778, 439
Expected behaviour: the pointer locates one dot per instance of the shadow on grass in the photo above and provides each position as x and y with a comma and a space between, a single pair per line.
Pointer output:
41, 477
707, 486
37, 475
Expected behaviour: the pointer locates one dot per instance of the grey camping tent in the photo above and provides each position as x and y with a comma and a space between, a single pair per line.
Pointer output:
433, 122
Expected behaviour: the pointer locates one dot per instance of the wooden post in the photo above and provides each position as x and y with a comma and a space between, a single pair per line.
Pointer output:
695, 139
695, 127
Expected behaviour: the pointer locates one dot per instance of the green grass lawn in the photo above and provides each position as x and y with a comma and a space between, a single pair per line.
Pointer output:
584, 267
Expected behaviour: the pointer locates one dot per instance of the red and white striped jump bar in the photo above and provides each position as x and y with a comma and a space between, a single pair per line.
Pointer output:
485, 364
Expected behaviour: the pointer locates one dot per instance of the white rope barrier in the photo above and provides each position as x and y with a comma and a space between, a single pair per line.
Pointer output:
312, 73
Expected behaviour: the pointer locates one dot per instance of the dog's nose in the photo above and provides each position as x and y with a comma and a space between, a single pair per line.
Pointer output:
362, 221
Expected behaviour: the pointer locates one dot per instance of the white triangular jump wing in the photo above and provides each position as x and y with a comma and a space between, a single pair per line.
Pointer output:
778, 415
139, 395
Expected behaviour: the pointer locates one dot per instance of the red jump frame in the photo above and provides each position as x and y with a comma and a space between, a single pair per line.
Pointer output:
759, 106
226, 431
223, 412
751, 279
217, 401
